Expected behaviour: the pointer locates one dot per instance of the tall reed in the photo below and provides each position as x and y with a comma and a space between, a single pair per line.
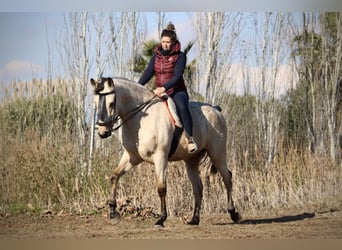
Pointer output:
40, 170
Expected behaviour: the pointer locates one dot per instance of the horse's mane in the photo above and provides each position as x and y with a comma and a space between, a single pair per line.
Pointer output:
137, 89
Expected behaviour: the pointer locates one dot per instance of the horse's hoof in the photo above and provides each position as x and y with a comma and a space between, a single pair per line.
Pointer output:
236, 218
115, 221
115, 218
193, 222
159, 226
160, 222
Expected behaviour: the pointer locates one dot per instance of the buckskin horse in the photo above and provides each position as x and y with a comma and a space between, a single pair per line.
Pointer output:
147, 134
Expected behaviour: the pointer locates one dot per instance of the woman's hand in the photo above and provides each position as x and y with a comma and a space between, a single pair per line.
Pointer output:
159, 91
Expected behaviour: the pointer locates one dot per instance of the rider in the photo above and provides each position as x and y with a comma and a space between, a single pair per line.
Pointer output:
168, 64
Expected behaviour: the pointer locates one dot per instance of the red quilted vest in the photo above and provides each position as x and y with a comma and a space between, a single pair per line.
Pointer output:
164, 67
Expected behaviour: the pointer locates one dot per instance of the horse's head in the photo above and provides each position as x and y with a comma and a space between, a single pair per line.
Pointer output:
104, 98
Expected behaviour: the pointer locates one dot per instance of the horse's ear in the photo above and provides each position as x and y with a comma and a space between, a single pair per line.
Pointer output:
92, 82
110, 82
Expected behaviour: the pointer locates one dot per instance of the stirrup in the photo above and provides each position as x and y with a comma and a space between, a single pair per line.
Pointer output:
192, 146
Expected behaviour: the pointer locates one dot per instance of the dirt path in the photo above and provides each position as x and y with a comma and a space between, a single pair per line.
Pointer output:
279, 225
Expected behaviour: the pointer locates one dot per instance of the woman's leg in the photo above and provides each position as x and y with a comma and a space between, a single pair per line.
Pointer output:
181, 100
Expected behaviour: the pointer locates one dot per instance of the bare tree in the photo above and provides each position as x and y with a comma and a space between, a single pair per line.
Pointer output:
133, 25
138, 29
161, 21
331, 75
317, 52
115, 31
306, 58
74, 52
127, 29
270, 53
104, 45
216, 33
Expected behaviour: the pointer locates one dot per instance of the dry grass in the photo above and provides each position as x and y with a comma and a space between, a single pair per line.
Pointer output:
301, 181
40, 170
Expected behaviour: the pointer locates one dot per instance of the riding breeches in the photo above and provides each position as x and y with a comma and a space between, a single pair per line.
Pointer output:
181, 100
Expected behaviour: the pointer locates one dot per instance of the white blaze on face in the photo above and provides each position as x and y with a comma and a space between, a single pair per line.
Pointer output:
104, 102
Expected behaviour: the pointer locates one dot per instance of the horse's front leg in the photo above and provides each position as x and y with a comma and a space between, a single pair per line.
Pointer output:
113, 214
160, 166
124, 166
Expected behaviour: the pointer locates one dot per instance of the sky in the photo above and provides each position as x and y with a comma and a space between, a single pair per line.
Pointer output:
29, 27
31, 36
24, 48
174, 5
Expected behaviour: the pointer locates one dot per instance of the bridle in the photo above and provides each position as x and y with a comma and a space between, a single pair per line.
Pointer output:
115, 118
102, 100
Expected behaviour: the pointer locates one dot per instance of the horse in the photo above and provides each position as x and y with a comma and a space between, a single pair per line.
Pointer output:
147, 134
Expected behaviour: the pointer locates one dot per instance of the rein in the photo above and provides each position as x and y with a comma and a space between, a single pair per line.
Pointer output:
131, 113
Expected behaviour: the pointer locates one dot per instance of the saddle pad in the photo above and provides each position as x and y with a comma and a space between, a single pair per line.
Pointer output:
171, 107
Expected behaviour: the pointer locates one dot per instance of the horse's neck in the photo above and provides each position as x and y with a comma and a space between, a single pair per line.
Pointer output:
131, 95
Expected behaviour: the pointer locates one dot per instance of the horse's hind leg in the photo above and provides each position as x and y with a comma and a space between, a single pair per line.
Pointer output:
221, 165
197, 187
227, 178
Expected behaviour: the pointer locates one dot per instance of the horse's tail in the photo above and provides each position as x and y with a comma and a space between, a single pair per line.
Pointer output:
213, 169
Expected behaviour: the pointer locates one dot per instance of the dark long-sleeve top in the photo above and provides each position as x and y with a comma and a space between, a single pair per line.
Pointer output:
177, 74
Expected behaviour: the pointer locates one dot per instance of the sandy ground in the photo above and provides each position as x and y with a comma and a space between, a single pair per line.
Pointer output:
295, 224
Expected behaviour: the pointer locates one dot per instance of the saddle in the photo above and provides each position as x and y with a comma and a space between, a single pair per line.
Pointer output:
172, 111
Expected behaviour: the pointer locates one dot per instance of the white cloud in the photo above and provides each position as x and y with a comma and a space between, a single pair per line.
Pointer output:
23, 70
242, 78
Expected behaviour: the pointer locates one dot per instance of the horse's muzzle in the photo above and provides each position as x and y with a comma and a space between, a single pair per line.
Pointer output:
103, 130
104, 134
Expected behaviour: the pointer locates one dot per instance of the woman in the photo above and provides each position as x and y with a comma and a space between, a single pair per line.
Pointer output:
168, 64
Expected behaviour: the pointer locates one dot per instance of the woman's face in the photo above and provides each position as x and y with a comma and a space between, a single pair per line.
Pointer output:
166, 42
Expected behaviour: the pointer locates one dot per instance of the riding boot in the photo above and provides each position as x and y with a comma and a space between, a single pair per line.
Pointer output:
192, 146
